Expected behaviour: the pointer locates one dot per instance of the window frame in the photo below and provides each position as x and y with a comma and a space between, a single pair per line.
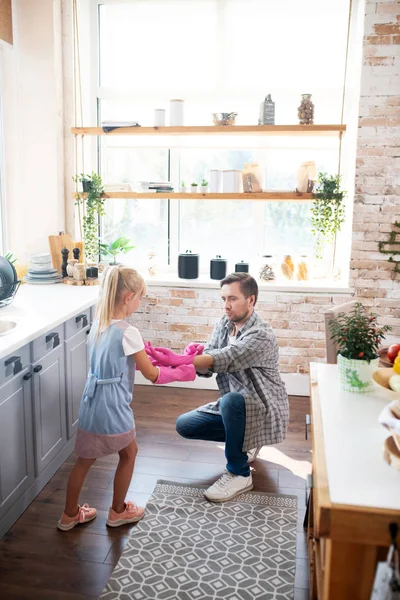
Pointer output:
99, 93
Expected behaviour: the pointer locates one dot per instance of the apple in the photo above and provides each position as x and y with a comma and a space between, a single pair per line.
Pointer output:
393, 351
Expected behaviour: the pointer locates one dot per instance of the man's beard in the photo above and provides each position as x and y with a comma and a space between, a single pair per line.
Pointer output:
240, 318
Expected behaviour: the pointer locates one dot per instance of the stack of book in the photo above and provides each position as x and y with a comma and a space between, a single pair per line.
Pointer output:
156, 186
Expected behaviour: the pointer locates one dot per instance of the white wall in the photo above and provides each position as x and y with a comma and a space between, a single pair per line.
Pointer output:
33, 121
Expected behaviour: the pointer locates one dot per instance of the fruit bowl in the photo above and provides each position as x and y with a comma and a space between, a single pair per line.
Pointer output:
383, 358
381, 379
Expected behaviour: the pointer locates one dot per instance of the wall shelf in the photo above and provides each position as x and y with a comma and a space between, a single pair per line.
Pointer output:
269, 196
271, 130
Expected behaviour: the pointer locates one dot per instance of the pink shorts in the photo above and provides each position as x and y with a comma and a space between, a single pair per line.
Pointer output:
96, 445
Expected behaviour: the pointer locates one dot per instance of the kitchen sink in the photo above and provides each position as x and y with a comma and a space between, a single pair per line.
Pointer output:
7, 326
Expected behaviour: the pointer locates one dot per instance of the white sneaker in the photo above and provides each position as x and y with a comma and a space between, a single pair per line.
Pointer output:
228, 486
252, 454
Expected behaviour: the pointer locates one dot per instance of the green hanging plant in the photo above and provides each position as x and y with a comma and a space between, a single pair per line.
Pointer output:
327, 210
392, 241
90, 207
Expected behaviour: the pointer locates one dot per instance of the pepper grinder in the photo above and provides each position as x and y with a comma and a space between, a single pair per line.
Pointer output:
76, 252
64, 254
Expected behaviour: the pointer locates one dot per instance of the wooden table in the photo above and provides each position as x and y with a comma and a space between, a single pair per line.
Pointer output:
355, 494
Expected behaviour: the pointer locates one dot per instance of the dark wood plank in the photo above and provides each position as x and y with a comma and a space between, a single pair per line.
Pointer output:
83, 559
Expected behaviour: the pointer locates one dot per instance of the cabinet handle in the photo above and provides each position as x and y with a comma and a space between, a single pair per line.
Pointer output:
88, 331
55, 337
37, 368
27, 376
16, 361
82, 318
307, 422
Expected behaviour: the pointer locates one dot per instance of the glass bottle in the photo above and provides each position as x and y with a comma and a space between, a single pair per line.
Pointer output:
303, 270
267, 271
305, 111
152, 262
287, 267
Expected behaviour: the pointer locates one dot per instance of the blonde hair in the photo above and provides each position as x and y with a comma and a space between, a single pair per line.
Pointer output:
115, 282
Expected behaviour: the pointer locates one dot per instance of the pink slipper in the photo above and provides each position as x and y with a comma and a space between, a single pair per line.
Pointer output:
84, 515
131, 514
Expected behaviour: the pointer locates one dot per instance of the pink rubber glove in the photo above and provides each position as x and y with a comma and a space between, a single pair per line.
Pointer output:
152, 360
194, 349
167, 358
182, 373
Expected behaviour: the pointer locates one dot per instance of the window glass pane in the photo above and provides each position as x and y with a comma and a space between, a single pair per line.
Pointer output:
158, 45
145, 221
216, 227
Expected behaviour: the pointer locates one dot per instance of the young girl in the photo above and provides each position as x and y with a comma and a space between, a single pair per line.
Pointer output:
106, 424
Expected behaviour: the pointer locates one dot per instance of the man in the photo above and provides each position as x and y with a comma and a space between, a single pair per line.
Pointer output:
253, 409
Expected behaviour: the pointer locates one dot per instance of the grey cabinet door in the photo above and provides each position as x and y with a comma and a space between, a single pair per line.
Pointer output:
77, 366
49, 406
16, 439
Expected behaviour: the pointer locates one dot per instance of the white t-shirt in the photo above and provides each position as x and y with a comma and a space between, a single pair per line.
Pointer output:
132, 341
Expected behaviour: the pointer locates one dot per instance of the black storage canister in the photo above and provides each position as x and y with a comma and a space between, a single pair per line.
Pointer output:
242, 267
188, 265
217, 267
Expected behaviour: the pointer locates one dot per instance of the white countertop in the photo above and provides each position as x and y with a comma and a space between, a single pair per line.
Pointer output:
38, 308
353, 440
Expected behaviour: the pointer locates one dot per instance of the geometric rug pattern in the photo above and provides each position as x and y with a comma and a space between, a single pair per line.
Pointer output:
187, 548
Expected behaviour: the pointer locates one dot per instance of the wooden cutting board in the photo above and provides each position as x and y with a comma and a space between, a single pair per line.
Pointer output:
56, 243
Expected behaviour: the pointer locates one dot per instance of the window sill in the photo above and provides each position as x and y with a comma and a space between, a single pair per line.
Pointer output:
204, 282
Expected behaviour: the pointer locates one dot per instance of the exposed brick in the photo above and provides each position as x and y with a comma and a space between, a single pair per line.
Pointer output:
387, 29
179, 293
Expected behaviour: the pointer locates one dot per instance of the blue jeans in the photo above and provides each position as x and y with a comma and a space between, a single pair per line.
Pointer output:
228, 427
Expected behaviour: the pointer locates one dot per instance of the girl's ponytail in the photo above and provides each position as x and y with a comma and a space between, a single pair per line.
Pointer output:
107, 299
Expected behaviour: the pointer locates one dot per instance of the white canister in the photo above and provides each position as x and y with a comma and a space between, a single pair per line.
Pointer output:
215, 181
159, 117
232, 182
176, 113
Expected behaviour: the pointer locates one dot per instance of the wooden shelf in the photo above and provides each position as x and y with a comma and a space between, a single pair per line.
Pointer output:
272, 130
269, 196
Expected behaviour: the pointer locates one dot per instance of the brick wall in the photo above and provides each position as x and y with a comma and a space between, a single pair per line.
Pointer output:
377, 184
174, 317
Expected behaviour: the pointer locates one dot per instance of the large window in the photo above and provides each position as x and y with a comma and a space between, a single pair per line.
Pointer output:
218, 55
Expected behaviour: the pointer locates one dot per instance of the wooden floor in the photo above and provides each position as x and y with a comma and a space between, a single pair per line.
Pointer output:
38, 562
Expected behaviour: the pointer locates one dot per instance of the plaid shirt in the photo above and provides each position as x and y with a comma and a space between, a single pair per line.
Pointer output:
250, 366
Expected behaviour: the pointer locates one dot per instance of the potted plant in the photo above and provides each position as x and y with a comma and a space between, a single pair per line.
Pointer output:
193, 188
121, 245
327, 211
90, 207
204, 186
357, 337
183, 187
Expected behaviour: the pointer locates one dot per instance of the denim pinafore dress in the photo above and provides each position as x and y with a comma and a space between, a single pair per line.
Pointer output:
106, 423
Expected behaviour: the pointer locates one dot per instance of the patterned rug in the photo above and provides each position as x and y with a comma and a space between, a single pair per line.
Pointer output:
187, 548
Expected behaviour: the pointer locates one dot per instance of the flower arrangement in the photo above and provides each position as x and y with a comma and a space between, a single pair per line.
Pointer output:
357, 334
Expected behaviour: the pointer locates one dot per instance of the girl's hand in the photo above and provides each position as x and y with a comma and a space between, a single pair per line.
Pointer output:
182, 373
167, 358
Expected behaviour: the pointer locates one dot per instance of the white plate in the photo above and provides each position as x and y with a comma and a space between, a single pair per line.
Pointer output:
33, 275
42, 281
44, 268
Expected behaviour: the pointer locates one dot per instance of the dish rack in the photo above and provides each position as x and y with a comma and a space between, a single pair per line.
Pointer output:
7, 292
